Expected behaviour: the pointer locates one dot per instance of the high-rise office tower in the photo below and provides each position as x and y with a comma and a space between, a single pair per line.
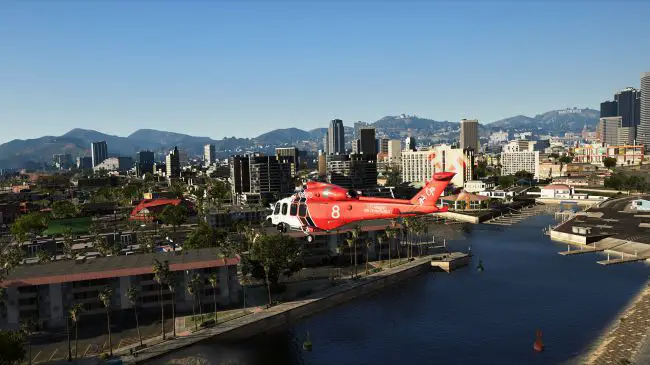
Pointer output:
469, 134
144, 163
336, 137
608, 109
368, 144
209, 154
643, 130
627, 100
99, 152
289, 155
326, 143
173, 164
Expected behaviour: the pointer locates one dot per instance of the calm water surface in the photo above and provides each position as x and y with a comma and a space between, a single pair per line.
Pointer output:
467, 317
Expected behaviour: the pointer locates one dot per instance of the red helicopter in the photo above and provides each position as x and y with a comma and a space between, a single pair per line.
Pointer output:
325, 207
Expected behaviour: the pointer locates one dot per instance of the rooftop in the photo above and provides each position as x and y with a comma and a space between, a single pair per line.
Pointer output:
613, 218
113, 266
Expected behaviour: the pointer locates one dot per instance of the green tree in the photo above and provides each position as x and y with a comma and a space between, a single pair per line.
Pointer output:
68, 241
64, 209
218, 192
506, 181
105, 297
566, 159
481, 169
27, 225
132, 295
393, 176
43, 256
277, 254
161, 275
609, 162
11, 349
177, 189
174, 215
12, 257
201, 237
75, 316
522, 174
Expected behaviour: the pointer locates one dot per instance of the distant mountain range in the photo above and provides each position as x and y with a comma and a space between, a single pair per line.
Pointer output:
24, 153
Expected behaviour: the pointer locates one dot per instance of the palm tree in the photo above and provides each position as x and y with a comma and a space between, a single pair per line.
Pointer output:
198, 282
395, 231
160, 275
381, 237
75, 313
190, 290
172, 289
132, 295
213, 283
356, 234
368, 243
105, 297
350, 241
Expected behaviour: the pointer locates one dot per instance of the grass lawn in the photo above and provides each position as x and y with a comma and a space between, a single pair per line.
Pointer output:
59, 226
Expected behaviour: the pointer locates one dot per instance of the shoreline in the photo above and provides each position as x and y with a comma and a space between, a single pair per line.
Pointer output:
625, 336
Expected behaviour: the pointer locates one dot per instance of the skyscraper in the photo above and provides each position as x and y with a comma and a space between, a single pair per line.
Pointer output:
209, 154
173, 164
627, 100
383, 145
336, 137
608, 109
289, 155
99, 152
144, 163
368, 144
469, 134
643, 131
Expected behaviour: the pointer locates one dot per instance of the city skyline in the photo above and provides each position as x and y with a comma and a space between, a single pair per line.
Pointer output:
207, 66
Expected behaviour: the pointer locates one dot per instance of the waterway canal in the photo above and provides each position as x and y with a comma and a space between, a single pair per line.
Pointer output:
467, 317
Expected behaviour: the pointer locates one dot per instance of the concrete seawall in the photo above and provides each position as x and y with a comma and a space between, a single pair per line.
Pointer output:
286, 314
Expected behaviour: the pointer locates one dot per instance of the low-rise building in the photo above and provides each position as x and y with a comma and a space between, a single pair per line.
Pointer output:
474, 186
625, 155
147, 210
556, 192
45, 292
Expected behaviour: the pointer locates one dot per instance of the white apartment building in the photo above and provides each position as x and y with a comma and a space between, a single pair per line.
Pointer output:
419, 166
512, 162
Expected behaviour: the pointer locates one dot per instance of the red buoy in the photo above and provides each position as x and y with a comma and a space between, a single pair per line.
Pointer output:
538, 345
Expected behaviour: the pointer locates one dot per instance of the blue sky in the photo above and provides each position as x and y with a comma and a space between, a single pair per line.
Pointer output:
220, 69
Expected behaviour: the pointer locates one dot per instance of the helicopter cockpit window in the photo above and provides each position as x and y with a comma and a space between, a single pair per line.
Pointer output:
285, 206
276, 211
293, 210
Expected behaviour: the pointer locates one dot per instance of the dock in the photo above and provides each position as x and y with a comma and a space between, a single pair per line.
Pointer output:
450, 261
623, 259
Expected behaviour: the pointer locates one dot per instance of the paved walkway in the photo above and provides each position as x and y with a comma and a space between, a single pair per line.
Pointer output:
627, 336
188, 338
